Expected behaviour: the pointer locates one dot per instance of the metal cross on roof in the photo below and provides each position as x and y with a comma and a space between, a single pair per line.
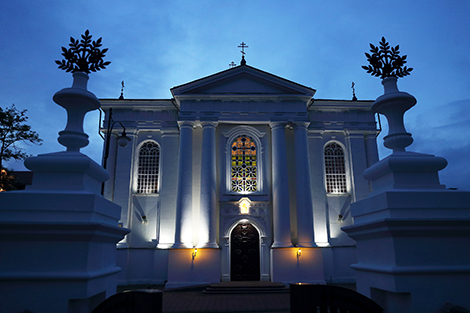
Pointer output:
243, 46
233, 64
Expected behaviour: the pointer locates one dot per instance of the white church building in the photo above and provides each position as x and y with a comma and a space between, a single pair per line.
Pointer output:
242, 175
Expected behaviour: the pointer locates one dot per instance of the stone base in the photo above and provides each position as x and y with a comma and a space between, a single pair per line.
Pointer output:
288, 267
413, 249
186, 270
57, 267
58, 238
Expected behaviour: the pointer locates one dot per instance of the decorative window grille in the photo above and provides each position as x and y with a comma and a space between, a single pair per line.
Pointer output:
335, 170
244, 173
149, 157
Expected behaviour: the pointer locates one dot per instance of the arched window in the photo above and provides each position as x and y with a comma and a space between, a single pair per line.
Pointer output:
244, 165
335, 169
148, 168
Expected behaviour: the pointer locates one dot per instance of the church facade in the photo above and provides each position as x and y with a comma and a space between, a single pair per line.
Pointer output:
242, 175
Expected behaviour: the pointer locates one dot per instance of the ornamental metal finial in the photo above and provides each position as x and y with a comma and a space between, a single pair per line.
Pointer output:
354, 98
243, 46
121, 97
83, 56
385, 61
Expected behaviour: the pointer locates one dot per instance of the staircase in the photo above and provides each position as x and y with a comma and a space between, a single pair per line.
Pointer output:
246, 287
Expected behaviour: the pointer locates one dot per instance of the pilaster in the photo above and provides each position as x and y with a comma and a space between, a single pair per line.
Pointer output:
183, 227
208, 209
357, 164
303, 190
317, 178
280, 187
169, 183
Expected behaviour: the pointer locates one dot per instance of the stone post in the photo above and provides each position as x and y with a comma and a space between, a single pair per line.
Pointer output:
58, 237
412, 235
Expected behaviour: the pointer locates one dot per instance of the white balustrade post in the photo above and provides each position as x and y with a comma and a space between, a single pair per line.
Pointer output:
280, 187
207, 217
183, 228
303, 191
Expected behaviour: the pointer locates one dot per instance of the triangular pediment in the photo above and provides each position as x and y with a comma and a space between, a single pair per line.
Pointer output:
242, 80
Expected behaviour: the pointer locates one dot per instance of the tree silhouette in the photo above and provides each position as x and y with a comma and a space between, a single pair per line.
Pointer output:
13, 130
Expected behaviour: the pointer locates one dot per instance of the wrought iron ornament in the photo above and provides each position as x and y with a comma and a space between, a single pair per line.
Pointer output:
83, 56
386, 62
243, 46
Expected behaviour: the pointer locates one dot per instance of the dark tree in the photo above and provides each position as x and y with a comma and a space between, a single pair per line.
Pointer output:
13, 130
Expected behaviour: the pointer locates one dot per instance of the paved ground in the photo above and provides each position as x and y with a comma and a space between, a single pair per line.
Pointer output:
196, 301
192, 299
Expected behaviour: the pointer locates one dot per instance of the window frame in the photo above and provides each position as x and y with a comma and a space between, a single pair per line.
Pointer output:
345, 166
137, 168
256, 136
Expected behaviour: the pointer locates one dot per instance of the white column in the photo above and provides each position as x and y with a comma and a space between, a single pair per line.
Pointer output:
303, 190
280, 187
183, 229
207, 216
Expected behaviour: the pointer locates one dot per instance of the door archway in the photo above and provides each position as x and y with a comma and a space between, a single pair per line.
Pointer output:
245, 254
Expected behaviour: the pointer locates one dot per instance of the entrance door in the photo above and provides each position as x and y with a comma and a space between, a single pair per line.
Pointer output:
244, 250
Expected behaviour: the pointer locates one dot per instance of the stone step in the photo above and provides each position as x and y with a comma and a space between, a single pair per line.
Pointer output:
246, 287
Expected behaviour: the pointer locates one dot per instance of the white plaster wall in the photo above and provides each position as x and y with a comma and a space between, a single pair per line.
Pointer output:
185, 270
337, 264
144, 230
339, 205
288, 267
142, 266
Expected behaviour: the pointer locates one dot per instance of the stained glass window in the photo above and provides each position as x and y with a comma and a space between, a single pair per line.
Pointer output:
335, 170
147, 178
244, 172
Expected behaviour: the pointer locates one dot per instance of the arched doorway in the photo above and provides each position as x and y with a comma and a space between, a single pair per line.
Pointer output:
244, 251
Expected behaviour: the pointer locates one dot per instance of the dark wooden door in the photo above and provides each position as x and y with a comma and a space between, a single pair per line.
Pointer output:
244, 248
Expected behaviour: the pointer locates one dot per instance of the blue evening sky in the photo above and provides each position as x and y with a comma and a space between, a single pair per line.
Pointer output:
155, 45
